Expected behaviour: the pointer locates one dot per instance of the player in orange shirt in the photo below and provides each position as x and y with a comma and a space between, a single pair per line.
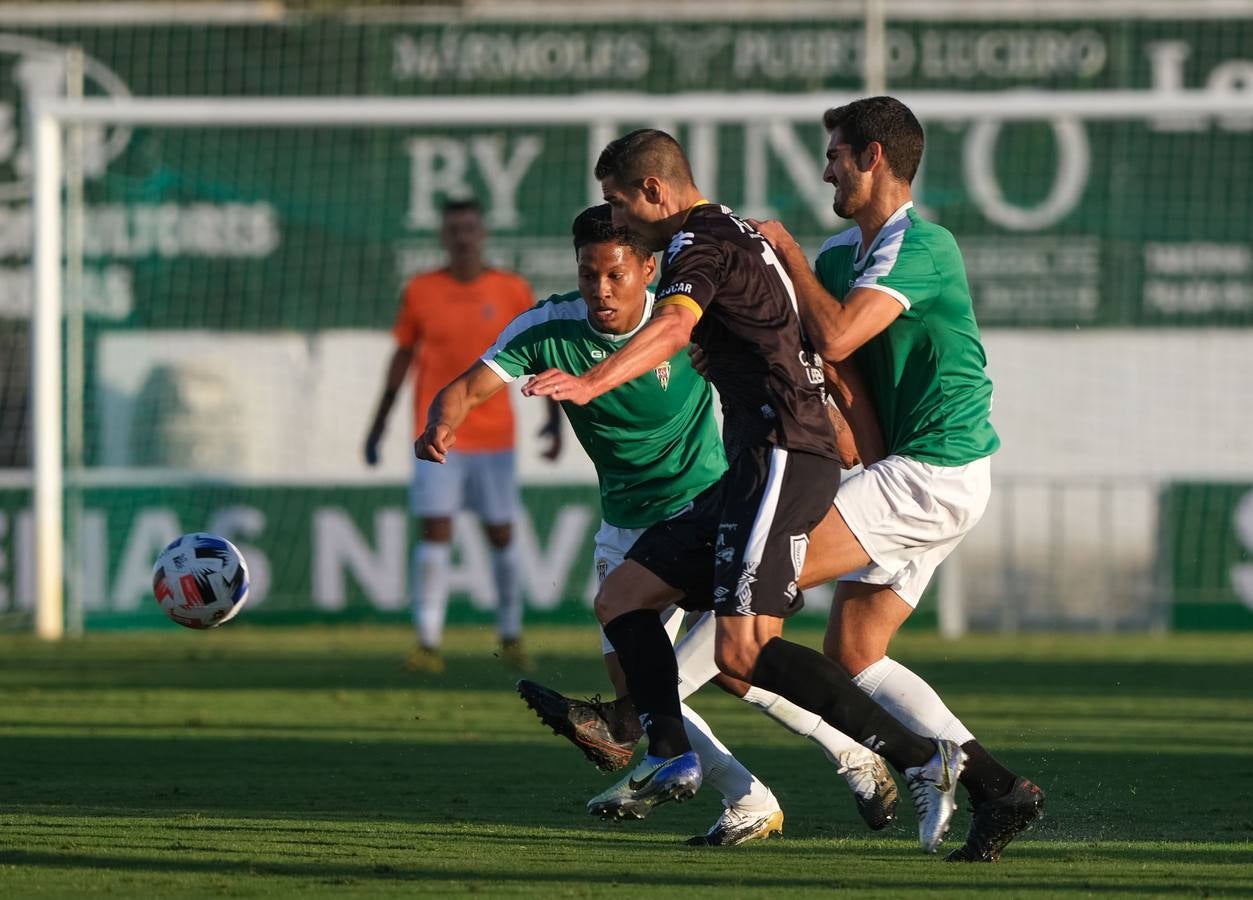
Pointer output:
447, 318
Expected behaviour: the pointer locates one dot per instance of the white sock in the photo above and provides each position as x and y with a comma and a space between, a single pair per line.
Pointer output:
802, 721
428, 590
726, 774
695, 656
911, 700
508, 597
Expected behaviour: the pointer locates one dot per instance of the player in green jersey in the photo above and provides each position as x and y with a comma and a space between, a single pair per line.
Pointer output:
656, 447
891, 294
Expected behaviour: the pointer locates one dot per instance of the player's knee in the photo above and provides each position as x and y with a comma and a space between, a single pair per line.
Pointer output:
612, 601
603, 607
735, 659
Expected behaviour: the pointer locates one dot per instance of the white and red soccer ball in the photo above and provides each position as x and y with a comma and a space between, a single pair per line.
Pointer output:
200, 580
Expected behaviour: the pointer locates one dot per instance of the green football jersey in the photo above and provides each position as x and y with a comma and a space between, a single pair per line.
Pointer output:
654, 441
925, 371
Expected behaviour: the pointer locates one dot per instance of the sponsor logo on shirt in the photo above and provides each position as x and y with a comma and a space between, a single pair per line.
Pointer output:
677, 243
679, 287
812, 364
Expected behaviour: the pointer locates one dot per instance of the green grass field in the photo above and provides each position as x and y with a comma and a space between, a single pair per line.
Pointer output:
255, 761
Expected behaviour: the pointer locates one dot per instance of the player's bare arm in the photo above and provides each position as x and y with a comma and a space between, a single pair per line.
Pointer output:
665, 335
858, 422
845, 444
401, 359
836, 327
450, 408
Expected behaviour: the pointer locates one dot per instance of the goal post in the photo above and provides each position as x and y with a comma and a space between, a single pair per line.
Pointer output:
51, 117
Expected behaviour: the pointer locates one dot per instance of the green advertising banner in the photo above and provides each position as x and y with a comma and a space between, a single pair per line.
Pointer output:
1207, 539
314, 552
1063, 222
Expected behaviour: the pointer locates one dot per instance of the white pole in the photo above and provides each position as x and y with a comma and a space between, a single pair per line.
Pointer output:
75, 350
951, 602
45, 324
875, 62
343, 112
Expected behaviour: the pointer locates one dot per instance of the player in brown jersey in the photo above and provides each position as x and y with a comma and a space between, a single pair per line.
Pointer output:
741, 546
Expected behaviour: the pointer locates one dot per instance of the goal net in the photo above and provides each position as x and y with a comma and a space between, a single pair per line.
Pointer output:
232, 268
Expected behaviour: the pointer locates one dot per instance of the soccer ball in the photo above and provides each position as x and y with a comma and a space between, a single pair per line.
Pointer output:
200, 580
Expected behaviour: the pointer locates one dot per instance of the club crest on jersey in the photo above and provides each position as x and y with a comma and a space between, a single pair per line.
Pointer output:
677, 243
663, 374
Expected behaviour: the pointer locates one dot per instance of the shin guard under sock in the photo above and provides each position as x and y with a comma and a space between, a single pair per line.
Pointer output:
984, 778
652, 675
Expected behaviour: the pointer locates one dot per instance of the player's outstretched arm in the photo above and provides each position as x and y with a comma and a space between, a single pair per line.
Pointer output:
836, 327
396, 371
667, 333
450, 408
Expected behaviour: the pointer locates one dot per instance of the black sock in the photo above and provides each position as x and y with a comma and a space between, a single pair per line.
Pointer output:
623, 720
652, 675
984, 778
813, 682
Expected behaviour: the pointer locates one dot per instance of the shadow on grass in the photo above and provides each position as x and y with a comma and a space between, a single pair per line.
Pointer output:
225, 668
804, 872
1129, 795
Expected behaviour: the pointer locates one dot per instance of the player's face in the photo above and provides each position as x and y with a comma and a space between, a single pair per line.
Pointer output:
632, 209
463, 235
852, 185
612, 282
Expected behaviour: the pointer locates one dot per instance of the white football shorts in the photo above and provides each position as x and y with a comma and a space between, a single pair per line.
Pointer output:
612, 543
485, 483
910, 515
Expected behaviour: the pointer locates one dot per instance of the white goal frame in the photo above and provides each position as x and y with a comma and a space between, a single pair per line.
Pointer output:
50, 117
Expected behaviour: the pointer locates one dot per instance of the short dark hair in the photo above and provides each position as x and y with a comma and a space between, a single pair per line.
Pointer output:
461, 204
642, 154
885, 120
595, 226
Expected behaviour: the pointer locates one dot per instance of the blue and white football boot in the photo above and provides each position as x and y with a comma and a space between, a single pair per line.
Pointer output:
655, 780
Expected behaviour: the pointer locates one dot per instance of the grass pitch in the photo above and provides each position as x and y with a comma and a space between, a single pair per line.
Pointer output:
254, 761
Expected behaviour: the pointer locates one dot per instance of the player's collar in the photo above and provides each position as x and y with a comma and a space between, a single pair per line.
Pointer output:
619, 338
864, 256
687, 212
